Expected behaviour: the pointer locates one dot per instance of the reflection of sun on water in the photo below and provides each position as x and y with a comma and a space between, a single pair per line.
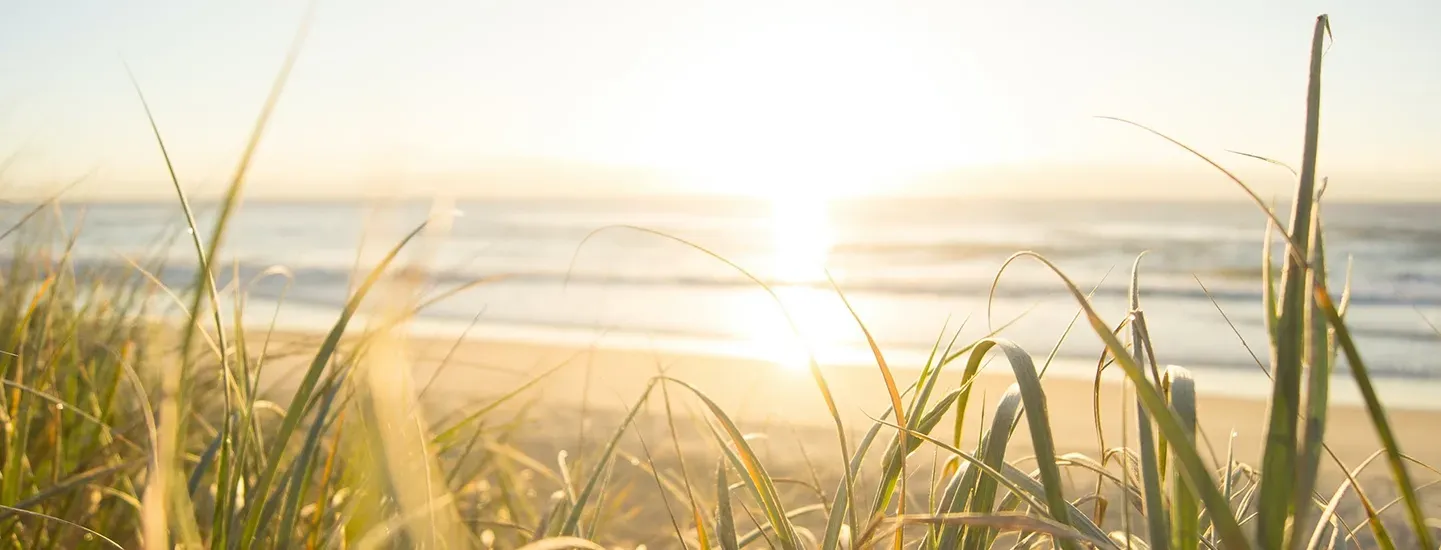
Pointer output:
801, 236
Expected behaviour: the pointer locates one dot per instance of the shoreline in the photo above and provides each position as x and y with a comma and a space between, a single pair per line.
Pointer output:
758, 394
1250, 383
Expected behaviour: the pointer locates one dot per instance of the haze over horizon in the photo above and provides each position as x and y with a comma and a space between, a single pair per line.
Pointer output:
750, 99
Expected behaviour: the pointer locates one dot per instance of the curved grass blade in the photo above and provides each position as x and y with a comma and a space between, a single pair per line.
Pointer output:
759, 481
1383, 536
1005, 522
751, 537
1033, 398
87, 530
896, 405
1188, 459
1032, 492
572, 521
562, 543
1377, 413
1295, 250
894, 462
993, 452
815, 368
831, 541
306, 389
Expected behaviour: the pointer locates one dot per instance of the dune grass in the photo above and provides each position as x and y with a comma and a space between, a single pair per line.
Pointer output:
125, 430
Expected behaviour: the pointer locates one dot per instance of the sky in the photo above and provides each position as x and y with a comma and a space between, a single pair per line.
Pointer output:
555, 98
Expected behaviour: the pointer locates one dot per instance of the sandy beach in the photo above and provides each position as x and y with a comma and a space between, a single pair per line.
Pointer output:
591, 385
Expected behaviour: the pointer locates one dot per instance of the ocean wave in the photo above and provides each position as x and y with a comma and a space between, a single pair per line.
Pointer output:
320, 279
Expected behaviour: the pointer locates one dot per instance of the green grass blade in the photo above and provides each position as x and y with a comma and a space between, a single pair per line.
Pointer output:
725, 520
896, 406
1185, 508
1404, 484
760, 481
814, 367
1318, 358
572, 521
1037, 417
751, 537
842, 499
1188, 459
1157, 521
293, 494
1383, 537
306, 389
1006, 522
562, 543
894, 462
993, 452
1278, 460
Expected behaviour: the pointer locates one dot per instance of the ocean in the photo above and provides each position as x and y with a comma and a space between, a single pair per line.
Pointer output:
916, 272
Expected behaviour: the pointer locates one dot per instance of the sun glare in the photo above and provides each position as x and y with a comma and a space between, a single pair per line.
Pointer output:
820, 108
801, 239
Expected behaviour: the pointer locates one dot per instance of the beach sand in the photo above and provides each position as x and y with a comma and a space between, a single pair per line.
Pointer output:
758, 394
577, 405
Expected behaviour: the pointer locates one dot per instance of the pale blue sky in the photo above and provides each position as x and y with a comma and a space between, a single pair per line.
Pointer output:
531, 97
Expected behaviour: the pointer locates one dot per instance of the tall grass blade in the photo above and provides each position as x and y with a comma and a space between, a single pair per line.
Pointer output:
993, 452
842, 499
571, 525
1318, 354
814, 367
1157, 520
896, 406
1033, 398
758, 480
725, 519
1404, 484
1188, 459
1278, 460
1185, 508
306, 388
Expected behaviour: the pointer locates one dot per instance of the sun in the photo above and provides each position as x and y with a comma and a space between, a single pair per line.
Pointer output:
805, 108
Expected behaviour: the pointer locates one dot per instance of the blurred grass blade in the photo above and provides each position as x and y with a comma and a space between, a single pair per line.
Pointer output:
751, 537
814, 367
562, 543
572, 521
307, 385
1005, 522
1185, 509
1404, 485
725, 520
1383, 536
